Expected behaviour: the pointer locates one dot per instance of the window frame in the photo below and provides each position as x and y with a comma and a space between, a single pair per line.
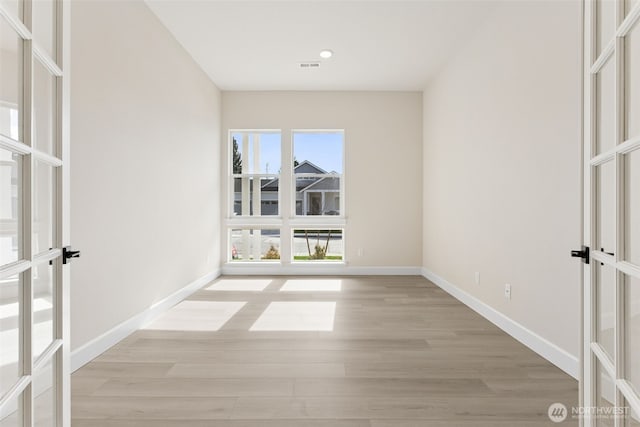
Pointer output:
287, 221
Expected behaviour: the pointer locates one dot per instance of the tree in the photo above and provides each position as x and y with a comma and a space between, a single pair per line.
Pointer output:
237, 158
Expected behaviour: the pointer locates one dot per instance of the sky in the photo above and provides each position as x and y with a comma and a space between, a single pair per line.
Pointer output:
322, 149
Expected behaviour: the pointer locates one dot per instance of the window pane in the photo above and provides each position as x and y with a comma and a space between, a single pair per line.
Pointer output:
10, 206
44, 406
317, 152
10, 309
10, 82
317, 195
632, 207
318, 245
43, 108
605, 108
255, 152
605, 285
260, 199
606, 207
43, 294
255, 245
44, 25
606, 23
43, 207
632, 82
632, 323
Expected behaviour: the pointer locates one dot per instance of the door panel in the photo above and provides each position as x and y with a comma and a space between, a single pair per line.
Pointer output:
612, 211
34, 334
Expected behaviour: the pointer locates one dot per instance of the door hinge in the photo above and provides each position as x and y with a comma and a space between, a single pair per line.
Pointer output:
584, 254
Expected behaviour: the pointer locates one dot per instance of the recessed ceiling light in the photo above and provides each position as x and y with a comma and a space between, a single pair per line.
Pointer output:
326, 53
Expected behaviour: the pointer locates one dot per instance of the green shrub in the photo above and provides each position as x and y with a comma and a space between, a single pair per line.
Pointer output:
272, 253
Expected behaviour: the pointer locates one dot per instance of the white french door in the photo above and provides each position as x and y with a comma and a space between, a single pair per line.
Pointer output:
34, 334
611, 377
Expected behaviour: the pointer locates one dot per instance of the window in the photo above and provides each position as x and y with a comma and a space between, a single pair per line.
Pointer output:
317, 168
255, 162
285, 214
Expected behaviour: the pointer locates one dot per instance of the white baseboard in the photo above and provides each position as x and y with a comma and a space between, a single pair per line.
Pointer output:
89, 351
324, 269
554, 354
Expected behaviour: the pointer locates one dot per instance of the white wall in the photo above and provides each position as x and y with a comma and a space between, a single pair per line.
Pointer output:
502, 167
145, 166
383, 152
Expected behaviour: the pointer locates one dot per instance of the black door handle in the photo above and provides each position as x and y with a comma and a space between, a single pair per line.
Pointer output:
67, 254
583, 253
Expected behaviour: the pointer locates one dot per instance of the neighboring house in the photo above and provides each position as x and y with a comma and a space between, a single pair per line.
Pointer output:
315, 195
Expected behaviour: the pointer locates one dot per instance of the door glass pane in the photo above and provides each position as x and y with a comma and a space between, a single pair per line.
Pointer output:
10, 82
14, 7
632, 418
44, 25
43, 303
629, 4
605, 286
632, 322
43, 108
255, 245
12, 417
605, 397
44, 402
606, 24
10, 206
605, 108
43, 207
606, 207
10, 331
632, 83
632, 207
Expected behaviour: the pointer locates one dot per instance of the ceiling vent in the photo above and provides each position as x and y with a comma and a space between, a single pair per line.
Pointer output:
309, 65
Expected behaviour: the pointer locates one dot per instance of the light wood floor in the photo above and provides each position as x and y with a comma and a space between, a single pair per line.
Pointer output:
399, 352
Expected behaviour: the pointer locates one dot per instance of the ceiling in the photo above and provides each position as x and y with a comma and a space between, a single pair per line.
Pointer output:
377, 45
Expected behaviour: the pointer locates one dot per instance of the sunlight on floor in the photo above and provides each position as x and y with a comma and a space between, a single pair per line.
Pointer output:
312, 285
240, 285
197, 316
296, 316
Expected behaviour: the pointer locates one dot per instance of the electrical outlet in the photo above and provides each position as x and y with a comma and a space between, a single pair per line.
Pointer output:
507, 291
360, 252
477, 277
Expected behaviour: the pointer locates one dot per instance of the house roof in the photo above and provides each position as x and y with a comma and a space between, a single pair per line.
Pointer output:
301, 183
